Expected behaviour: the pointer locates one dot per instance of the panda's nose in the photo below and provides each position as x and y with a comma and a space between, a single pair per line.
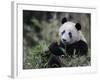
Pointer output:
64, 40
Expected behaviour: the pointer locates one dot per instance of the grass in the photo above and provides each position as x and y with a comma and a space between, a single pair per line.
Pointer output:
35, 58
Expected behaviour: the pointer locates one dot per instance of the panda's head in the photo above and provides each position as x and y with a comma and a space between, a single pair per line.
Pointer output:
70, 32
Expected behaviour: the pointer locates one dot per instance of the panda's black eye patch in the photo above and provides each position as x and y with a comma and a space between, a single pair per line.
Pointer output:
63, 32
70, 34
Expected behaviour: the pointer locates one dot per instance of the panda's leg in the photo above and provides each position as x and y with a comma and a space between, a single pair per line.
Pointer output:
55, 49
79, 48
82, 48
70, 50
54, 62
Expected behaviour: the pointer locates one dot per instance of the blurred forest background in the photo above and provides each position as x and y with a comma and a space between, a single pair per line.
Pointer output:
40, 28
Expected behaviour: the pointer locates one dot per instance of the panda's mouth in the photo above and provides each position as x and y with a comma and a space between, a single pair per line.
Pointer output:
65, 42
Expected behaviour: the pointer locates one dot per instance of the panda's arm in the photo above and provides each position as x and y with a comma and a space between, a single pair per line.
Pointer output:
55, 49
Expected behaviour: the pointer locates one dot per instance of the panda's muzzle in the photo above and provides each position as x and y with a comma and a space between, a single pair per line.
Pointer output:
64, 40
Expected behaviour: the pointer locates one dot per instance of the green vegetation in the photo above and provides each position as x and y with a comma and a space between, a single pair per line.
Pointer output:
34, 57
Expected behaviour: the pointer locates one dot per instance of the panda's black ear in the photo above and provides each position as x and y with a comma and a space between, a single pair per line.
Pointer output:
78, 26
64, 20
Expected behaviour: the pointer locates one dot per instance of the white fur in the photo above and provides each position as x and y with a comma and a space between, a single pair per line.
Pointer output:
70, 27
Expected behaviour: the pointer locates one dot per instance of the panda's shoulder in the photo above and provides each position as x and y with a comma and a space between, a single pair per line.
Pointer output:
82, 36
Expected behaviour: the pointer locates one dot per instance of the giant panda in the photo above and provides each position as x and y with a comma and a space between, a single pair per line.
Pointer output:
71, 39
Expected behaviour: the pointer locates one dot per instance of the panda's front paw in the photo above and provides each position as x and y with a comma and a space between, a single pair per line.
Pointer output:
55, 49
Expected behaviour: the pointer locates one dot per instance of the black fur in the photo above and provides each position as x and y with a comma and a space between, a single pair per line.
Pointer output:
64, 20
55, 49
78, 26
54, 62
79, 48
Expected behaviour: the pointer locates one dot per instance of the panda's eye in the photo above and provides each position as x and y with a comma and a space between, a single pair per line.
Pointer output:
63, 32
70, 34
